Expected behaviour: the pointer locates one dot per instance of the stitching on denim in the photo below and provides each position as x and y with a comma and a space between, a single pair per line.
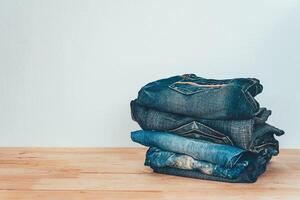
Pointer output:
249, 85
216, 132
189, 77
253, 82
232, 162
202, 134
250, 100
253, 146
172, 86
222, 136
182, 92
246, 87
256, 148
251, 130
185, 125
256, 90
200, 85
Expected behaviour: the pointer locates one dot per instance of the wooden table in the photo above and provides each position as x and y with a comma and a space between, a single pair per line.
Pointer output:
119, 173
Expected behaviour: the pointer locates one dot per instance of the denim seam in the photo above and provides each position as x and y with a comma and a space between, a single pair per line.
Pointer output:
181, 92
250, 101
208, 136
198, 131
232, 162
252, 146
250, 131
255, 148
217, 132
171, 86
188, 77
248, 85
247, 94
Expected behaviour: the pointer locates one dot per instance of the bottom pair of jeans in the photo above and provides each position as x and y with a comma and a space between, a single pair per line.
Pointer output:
246, 170
171, 153
243, 178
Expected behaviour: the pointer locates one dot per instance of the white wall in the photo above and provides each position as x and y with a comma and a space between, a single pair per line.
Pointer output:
68, 69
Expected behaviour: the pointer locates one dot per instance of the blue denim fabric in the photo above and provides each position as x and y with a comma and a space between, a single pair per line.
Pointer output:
205, 128
245, 171
203, 98
158, 158
248, 176
252, 134
223, 155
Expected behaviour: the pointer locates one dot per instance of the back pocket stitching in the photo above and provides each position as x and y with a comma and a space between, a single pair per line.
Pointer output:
201, 87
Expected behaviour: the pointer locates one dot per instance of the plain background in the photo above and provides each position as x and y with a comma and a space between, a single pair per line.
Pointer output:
68, 69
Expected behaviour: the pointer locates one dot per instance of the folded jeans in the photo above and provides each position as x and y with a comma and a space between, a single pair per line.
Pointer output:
177, 155
156, 157
252, 134
245, 177
198, 97
223, 155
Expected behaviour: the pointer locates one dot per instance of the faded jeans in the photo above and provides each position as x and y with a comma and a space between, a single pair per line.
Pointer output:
253, 134
170, 151
198, 97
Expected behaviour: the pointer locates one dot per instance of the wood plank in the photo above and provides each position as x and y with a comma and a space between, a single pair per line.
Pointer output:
213, 194
119, 173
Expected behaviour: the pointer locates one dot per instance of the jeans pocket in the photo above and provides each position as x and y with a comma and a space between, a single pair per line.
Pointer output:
198, 130
190, 87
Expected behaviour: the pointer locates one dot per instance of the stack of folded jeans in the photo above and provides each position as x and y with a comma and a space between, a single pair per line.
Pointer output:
205, 128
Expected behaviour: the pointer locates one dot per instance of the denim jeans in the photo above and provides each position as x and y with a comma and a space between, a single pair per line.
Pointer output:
253, 134
159, 158
173, 154
205, 128
219, 154
248, 176
183, 165
198, 97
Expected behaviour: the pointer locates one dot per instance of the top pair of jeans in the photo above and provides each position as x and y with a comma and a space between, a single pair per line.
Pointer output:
198, 97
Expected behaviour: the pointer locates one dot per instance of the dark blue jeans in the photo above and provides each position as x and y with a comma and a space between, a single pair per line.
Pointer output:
156, 157
198, 97
253, 134
248, 176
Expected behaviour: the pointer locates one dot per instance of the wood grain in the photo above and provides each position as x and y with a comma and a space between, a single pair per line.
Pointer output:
119, 173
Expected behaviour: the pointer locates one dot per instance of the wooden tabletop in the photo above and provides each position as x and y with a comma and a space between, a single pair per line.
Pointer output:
119, 173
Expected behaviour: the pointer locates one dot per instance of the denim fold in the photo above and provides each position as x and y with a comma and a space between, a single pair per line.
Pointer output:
248, 176
156, 157
198, 97
223, 155
247, 170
